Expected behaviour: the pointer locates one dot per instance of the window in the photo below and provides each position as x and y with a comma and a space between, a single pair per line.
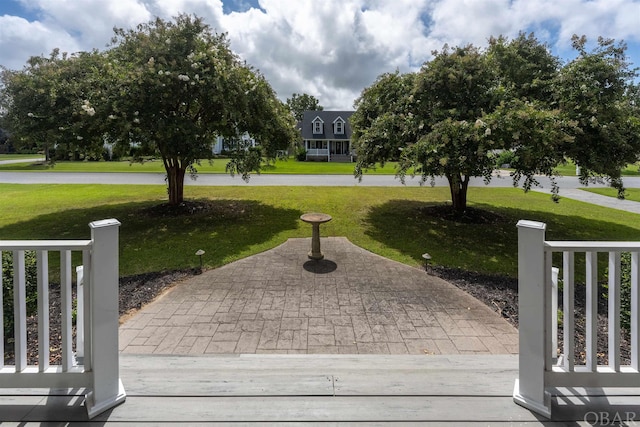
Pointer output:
317, 126
338, 126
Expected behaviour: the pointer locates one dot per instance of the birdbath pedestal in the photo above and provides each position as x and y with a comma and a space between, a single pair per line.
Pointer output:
315, 219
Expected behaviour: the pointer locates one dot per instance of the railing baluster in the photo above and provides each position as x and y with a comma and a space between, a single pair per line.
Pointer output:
79, 312
19, 311
87, 313
65, 295
592, 311
550, 354
554, 313
568, 277
635, 306
43, 309
614, 311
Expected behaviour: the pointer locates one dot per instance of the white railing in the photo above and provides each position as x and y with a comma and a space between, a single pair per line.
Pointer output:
318, 152
91, 362
540, 366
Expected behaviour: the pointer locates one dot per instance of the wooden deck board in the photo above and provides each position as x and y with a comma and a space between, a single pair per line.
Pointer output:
369, 390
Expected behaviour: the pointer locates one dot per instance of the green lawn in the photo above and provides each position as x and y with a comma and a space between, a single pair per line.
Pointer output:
290, 166
395, 223
19, 156
632, 194
569, 169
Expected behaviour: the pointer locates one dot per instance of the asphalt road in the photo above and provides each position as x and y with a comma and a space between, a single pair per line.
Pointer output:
265, 180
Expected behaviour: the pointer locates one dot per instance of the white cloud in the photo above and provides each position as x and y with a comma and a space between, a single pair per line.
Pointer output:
28, 39
331, 49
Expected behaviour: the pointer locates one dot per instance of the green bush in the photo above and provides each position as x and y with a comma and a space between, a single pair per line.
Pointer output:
505, 157
7, 288
300, 154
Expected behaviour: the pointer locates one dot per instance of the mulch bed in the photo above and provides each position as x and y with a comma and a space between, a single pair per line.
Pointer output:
134, 292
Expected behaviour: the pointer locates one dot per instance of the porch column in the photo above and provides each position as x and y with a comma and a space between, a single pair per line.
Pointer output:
529, 389
107, 388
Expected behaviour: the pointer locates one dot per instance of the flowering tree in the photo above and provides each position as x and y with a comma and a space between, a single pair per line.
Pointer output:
177, 86
598, 92
46, 103
431, 120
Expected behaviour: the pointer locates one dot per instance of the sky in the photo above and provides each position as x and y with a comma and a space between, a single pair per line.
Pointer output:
331, 49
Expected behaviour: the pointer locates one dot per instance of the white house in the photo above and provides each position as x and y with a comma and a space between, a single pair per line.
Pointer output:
220, 145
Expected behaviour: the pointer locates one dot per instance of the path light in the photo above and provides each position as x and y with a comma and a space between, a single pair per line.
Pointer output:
427, 258
199, 253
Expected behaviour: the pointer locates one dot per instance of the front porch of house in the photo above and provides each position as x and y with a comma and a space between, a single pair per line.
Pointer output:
329, 151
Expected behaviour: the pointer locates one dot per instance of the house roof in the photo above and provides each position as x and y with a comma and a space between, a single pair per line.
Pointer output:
328, 117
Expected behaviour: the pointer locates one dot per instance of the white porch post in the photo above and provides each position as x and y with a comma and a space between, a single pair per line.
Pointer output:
529, 389
107, 387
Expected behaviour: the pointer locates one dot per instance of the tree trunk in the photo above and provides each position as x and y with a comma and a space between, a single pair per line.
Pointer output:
458, 187
175, 181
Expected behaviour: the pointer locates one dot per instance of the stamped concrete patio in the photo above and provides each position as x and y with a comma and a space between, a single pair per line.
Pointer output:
352, 302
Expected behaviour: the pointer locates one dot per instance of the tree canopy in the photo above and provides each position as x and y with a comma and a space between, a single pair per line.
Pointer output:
468, 104
166, 88
299, 103
46, 103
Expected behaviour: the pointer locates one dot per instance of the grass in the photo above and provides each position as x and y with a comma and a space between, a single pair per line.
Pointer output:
569, 169
289, 166
20, 156
632, 194
394, 223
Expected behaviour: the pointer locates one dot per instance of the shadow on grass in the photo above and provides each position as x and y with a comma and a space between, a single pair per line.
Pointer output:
409, 227
152, 243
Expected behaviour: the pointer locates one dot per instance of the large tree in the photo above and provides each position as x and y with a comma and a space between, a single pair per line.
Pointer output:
179, 86
299, 103
383, 122
46, 103
597, 91
467, 104
431, 120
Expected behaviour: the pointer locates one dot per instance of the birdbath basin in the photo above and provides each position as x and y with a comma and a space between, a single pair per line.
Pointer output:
315, 219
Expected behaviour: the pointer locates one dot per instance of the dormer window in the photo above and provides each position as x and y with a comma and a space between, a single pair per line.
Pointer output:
317, 125
338, 126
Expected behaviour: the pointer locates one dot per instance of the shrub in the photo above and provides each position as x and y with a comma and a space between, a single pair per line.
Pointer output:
300, 154
7, 288
505, 157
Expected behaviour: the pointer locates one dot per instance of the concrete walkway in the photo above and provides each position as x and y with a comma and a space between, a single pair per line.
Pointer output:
352, 302
598, 199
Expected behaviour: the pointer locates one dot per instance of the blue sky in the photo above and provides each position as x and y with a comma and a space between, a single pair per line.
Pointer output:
331, 49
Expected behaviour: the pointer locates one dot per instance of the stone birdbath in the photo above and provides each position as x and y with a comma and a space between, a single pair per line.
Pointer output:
315, 219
